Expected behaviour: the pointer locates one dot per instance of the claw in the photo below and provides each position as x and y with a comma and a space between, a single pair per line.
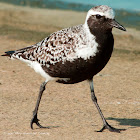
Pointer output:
35, 120
110, 128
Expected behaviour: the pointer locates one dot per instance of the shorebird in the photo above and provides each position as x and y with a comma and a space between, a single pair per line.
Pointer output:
73, 54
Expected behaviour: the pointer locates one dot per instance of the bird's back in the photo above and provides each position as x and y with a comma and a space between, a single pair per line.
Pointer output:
71, 54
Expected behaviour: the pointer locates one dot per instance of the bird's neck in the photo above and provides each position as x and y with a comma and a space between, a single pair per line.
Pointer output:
102, 37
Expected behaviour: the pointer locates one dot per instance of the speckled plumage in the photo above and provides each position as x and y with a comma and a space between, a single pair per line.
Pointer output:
59, 46
68, 53
63, 46
73, 54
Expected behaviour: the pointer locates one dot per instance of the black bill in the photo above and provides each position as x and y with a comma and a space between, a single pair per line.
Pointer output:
115, 24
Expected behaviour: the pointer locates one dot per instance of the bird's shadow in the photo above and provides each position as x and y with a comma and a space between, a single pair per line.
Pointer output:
48, 127
125, 121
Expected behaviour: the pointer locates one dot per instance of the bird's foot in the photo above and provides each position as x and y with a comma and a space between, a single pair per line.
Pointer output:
36, 120
110, 128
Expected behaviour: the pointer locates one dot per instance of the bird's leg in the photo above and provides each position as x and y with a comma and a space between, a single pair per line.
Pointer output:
105, 124
35, 119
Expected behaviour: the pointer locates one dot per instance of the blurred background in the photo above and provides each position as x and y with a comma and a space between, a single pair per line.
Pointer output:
127, 11
26, 22
31, 21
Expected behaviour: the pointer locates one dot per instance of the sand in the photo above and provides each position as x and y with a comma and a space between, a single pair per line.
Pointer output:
69, 107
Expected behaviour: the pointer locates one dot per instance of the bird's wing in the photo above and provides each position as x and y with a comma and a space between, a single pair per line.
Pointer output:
55, 48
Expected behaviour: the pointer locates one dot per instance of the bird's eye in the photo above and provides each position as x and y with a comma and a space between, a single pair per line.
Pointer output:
98, 16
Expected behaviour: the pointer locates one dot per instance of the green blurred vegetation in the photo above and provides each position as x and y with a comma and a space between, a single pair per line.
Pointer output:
31, 25
127, 18
22, 34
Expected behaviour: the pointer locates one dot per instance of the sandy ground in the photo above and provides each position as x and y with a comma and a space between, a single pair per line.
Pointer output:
69, 107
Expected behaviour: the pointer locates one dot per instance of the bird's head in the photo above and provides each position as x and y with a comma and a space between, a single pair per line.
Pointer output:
102, 18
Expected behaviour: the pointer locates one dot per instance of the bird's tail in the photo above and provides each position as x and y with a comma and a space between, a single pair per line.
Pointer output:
9, 53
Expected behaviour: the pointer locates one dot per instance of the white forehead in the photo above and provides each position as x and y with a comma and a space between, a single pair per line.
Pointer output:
102, 10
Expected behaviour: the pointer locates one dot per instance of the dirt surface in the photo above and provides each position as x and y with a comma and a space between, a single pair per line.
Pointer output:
68, 107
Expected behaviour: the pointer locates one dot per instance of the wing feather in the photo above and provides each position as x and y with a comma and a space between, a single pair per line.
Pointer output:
53, 49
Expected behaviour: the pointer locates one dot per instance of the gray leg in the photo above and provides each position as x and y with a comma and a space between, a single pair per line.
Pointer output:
105, 124
35, 119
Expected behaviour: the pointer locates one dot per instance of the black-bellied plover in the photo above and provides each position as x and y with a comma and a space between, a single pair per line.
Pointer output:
73, 54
